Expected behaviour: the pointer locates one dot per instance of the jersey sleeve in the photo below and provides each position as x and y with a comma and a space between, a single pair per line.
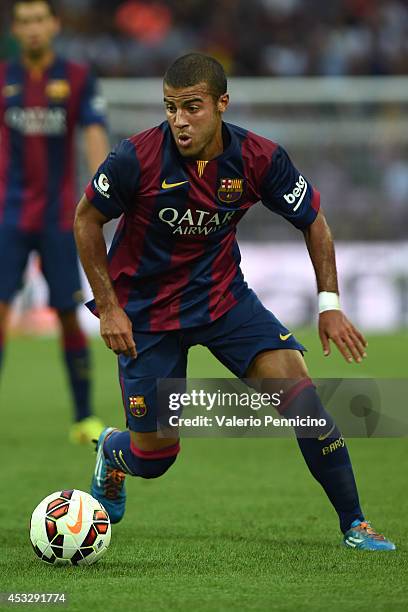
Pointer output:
288, 193
114, 186
92, 104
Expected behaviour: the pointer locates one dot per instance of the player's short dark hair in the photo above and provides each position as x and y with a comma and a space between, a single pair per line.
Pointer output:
193, 68
50, 4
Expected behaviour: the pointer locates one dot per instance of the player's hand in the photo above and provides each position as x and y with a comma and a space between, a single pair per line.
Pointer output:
334, 326
116, 331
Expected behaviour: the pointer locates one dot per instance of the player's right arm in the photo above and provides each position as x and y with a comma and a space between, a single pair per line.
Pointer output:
110, 194
115, 325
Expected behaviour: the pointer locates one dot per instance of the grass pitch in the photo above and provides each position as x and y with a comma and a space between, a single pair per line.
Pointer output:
236, 524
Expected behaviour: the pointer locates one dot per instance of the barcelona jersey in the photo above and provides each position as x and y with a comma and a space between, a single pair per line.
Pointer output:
38, 117
174, 261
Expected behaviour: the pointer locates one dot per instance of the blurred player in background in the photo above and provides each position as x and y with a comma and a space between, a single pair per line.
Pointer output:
173, 281
43, 98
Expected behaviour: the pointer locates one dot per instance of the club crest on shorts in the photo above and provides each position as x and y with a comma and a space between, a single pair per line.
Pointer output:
230, 190
137, 405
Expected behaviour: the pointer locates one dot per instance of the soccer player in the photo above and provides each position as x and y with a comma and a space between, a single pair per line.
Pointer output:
43, 98
172, 280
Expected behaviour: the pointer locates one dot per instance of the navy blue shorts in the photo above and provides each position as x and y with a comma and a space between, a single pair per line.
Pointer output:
234, 339
59, 263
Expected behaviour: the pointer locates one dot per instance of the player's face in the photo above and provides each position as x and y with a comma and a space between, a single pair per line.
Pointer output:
195, 119
34, 27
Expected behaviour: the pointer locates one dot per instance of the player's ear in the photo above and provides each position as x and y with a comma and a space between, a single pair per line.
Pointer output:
56, 26
15, 30
222, 103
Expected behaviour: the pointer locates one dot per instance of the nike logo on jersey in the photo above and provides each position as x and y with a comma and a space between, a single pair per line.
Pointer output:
166, 185
285, 336
76, 528
11, 90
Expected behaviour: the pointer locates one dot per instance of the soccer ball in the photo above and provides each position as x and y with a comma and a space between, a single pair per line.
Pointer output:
71, 528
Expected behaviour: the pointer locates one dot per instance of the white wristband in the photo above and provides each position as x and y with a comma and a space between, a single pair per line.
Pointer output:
328, 301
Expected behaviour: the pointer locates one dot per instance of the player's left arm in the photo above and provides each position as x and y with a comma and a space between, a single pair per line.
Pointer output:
96, 145
333, 323
93, 122
287, 192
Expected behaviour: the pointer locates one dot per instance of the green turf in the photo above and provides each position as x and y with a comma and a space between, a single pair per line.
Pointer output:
234, 525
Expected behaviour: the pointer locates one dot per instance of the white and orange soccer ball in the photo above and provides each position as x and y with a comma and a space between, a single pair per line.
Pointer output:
70, 527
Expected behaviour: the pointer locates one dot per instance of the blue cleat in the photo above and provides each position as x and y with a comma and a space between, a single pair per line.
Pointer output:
363, 537
108, 482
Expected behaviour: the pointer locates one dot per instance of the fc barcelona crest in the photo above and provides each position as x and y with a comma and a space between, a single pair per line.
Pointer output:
137, 405
230, 190
58, 89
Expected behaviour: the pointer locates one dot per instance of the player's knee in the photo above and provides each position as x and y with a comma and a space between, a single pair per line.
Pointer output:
69, 321
153, 464
278, 364
4, 312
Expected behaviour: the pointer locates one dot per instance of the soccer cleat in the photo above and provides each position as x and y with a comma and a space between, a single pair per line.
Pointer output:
363, 537
108, 483
86, 430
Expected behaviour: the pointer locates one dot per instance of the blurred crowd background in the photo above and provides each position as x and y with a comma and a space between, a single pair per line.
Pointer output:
252, 37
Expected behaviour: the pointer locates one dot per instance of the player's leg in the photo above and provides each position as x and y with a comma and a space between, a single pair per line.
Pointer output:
4, 312
254, 344
333, 469
76, 354
15, 247
142, 449
60, 267
325, 451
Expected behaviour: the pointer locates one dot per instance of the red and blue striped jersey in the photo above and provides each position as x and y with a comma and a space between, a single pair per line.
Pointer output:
38, 117
174, 260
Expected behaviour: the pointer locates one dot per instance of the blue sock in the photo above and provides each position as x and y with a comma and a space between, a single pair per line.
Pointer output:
120, 452
77, 361
328, 459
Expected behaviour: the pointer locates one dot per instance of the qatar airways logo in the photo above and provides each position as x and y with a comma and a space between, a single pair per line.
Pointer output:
299, 191
195, 222
37, 121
